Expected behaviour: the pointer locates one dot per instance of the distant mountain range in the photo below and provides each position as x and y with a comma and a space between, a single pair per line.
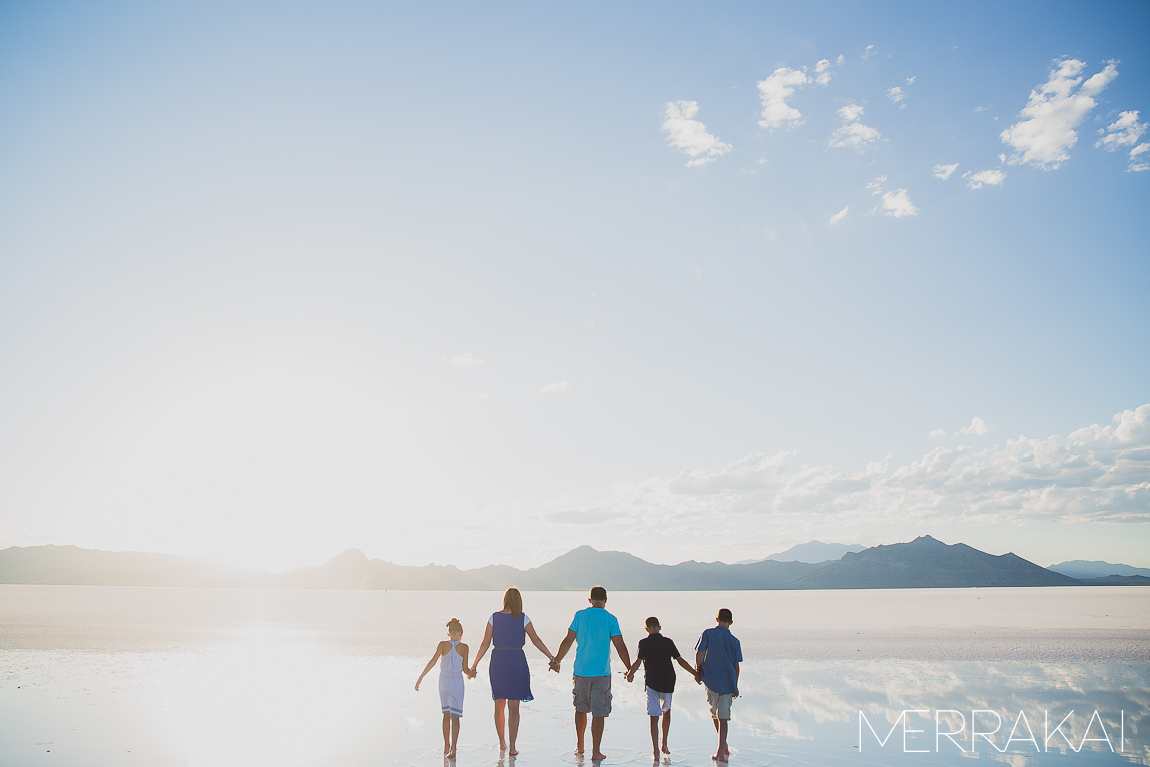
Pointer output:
921, 563
1080, 568
812, 553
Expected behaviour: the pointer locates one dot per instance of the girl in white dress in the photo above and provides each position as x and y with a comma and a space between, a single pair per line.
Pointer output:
452, 656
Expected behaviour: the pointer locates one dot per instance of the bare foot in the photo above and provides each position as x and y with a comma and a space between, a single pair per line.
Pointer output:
513, 752
722, 756
579, 750
597, 757
502, 746
450, 754
665, 749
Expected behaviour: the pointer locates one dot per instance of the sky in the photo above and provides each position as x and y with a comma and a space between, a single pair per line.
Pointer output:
473, 284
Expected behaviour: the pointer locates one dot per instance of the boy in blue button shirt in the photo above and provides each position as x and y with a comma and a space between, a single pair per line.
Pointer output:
717, 656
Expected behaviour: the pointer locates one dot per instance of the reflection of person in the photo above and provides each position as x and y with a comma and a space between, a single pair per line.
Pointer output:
452, 656
655, 652
508, 672
717, 657
595, 630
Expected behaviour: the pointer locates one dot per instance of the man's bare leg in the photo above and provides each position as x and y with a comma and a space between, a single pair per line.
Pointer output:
666, 730
580, 728
597, 723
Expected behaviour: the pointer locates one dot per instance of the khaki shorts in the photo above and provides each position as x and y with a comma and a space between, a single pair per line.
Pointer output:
592, 695
720, 704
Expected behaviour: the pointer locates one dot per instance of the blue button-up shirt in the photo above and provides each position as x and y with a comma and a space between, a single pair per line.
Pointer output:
722, 651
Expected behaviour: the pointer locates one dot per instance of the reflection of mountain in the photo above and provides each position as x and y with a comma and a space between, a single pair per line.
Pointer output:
1080, 568
922, 563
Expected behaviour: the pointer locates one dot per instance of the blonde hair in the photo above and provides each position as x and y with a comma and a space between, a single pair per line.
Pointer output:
513, 601
454, 627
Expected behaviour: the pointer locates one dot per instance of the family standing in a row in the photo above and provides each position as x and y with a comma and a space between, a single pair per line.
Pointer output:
593, 630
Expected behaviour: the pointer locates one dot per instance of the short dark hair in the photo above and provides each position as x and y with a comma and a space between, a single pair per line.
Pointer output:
652, 622
724, 616
598, 593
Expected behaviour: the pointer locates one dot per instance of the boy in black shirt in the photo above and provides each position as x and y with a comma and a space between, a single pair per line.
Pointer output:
656, 651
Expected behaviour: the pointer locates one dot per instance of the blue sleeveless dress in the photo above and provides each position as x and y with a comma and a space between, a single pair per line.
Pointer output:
510, 677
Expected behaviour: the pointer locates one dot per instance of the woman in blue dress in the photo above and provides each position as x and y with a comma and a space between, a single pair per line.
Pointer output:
510, 677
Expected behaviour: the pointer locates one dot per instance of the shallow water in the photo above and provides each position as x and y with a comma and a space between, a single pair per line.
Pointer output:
216, 677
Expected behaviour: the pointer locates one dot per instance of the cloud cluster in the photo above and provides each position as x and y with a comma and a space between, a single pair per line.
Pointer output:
1055, 109
690, 135
894, 203
853, 133
944, 171
1125, 132
896, 95
823, 70
992, 177
1096, 474
773, 94
466, 360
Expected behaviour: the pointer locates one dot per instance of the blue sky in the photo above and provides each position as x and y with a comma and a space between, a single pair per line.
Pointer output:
440, 283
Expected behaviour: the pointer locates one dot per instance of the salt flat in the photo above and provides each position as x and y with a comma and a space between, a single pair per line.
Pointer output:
93, 676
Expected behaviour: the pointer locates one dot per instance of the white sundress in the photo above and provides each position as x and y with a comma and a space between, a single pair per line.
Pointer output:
451, 682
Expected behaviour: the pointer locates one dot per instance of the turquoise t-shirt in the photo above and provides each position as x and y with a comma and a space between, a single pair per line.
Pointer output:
593, 629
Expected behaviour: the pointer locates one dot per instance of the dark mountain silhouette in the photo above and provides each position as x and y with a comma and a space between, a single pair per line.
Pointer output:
928, 563
921, 563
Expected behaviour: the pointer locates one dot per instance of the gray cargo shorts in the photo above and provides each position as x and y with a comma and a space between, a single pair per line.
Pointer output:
592, 695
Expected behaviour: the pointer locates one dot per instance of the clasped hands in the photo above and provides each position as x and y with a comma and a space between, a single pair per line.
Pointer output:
630, 676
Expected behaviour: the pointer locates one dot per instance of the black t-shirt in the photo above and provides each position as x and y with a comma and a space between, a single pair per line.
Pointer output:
657, 652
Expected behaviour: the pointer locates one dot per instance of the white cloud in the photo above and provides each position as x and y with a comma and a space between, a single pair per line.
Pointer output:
1096, 474
937, 433
774, 92
875, 187
840, 60
1137, 165
910, 80
823, 70
1124, 132
868, 52
1055, 108
850, 112
854, 134
982, 109
944, 171
898, 204
896, 95
977, 428
466, 360
839, 216
993, 177
555, 387
689, 135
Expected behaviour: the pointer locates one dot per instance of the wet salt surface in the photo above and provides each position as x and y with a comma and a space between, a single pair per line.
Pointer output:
116, 676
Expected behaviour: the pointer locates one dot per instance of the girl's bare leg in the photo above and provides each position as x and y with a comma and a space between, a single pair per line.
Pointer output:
446, 734
454, 737
500, 721
512, 725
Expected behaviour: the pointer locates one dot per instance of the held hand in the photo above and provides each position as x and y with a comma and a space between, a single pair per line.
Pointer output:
629, 676
698, 678
553, 665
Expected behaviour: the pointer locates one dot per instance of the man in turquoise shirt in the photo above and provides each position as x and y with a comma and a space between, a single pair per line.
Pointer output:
595, 630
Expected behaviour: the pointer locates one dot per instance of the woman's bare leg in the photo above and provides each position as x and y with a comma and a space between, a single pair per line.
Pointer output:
512, 725
500, 721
